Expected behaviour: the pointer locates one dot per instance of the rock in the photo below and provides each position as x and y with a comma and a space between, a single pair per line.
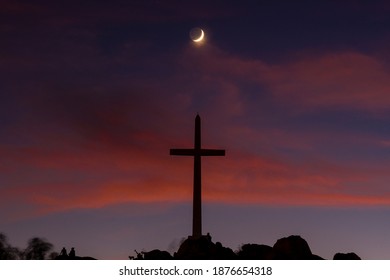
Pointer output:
157, 255
293, 247
223, 253
315, 257
202, 248
255, 252
346, 256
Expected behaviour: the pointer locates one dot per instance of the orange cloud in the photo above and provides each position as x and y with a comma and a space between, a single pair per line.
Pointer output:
238, 178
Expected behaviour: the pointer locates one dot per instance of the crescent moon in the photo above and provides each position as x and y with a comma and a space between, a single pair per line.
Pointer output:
200, 37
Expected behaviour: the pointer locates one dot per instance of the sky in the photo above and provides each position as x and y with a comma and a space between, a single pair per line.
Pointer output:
93, 94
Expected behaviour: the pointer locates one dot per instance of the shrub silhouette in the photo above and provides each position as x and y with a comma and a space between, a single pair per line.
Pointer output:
37, 249
7, 252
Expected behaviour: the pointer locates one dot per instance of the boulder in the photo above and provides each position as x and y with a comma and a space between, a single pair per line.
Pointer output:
202, 248
293, 247
255, 252
346, 256
157, 255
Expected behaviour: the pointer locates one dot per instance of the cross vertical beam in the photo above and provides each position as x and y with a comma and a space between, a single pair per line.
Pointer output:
197, 152
197, 192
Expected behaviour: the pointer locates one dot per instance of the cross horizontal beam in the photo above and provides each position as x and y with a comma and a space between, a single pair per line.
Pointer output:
196, 152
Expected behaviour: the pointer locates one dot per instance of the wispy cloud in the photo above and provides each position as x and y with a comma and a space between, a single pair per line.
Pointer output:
343, 79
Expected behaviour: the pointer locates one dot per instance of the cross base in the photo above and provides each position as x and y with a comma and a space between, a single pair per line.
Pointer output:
207, 236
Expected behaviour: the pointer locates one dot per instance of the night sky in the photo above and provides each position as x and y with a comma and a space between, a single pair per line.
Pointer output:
93, 94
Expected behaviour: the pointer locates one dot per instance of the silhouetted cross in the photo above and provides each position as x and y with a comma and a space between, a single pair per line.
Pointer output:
197, 152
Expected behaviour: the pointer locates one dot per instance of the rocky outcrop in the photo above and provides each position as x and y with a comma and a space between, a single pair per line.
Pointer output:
203, 248
346, 256
157, 255
293, 247
255, 252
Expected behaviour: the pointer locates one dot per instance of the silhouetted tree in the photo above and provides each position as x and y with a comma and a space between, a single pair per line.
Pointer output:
7, 252
37, 249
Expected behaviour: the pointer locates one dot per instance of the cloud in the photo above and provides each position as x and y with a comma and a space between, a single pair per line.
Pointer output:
385, 143
93, 178
336, 80
343, 80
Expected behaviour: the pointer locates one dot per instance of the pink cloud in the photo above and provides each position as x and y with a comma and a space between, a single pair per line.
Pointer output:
385, 143
147, 176
346, 79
